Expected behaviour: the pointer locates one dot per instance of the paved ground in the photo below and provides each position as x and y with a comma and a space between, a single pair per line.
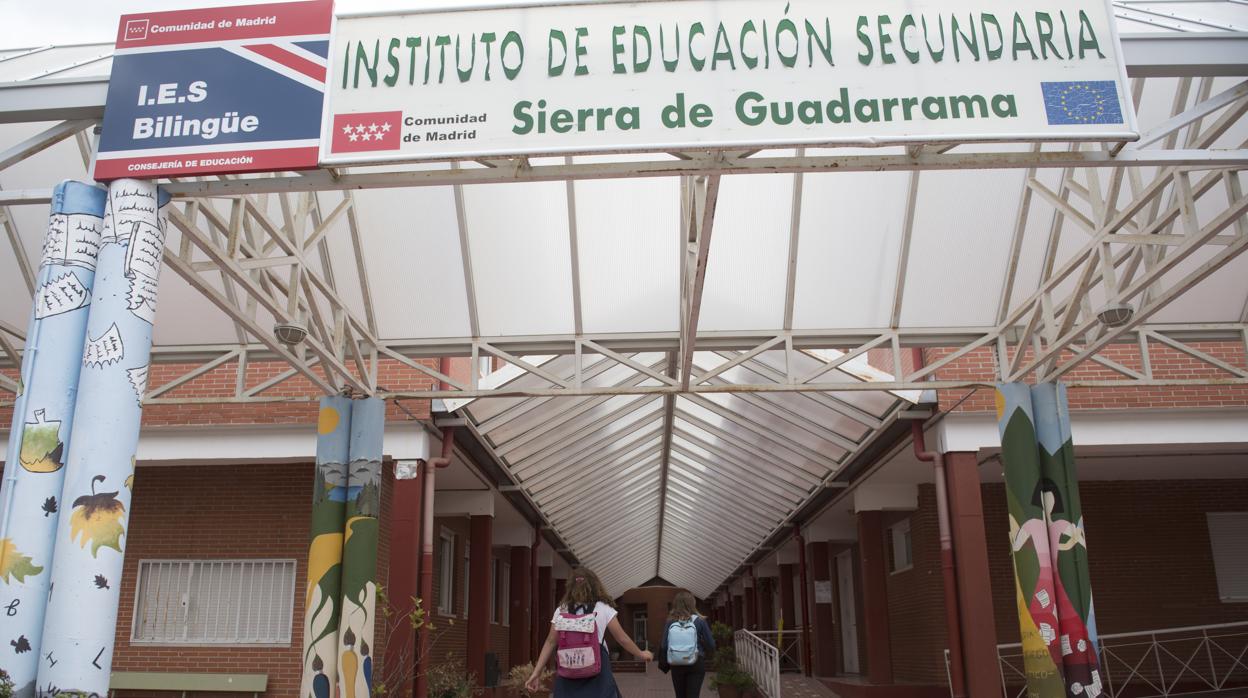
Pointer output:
656, 684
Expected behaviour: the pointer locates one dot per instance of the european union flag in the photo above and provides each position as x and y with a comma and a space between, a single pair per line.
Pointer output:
1081, 102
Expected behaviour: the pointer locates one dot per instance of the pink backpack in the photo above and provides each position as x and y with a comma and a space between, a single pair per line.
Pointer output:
580, 654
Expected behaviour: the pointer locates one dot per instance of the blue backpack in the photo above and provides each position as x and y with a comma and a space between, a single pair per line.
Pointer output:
682, 643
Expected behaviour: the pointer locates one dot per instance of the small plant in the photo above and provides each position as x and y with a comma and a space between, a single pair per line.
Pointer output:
724, 659
722, 632
733, 677
519, 675
450, 680
393, 674
6, 684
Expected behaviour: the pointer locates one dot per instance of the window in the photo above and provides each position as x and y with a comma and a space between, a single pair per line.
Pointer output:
446, 573
467, 560
499, 586
1228, 537
232, 602
639, 629
903, 556
504, 589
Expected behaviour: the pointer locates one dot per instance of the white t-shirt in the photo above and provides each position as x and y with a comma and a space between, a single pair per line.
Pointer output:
603, 614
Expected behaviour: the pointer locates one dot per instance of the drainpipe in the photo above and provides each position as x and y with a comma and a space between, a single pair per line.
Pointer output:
426, 558
952, 620
537, 539
754, 602
801, 564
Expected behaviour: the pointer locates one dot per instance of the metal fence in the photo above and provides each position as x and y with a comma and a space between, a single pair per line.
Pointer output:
1155, 663
761, 659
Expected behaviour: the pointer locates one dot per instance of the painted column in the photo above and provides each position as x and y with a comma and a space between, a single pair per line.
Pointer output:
970, 547
357, 629
42, 420
788, 605
323, 595
404, 583
1068, 545
826, 640
81, 622
518, 597
875, 597
1034, 590
480, 557
738, 612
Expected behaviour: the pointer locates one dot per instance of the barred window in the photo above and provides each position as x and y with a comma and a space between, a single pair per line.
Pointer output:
233, 602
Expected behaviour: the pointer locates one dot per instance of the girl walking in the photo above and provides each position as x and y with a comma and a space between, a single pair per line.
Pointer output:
577, 639
687, 642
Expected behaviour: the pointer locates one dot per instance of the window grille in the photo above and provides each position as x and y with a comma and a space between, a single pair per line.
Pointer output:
446, 574
236, 602
1228, 537
903, 555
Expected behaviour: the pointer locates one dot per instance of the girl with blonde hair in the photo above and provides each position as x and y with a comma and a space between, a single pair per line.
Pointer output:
577, 639
687, 642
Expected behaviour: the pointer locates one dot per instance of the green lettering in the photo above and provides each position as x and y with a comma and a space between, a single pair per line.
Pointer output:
825, 44
782, 26
1044, 33
1021, 40
616, 49
867, 53
972, 44
524, 122
695, 29
1087, 36
748, 111
723, 49
641, 66
554, 35
749, 61
885, 39
511, 39
907, 22
991, 53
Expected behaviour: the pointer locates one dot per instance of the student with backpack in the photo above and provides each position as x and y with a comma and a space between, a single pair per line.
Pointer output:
577, 640
687, 642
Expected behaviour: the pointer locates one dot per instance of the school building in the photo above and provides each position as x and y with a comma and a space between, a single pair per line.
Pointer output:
919, 415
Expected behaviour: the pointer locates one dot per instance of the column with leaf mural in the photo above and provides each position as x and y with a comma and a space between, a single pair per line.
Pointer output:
80, 625
322, 598
1034, 589
357, 631
1068, 545
43, 417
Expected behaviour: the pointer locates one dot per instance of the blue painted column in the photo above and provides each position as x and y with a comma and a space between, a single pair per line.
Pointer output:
81, 620
358, 628
323, 596
42, 419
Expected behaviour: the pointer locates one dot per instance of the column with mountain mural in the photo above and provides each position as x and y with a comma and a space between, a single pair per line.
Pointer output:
43, 416
1068, 546
322, 598
1029, 542
357, 631
1052, 585
81, 620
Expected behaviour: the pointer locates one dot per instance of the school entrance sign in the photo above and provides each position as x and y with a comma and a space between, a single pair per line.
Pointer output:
644, 76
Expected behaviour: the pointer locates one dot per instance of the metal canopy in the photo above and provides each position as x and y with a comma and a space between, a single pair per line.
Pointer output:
702, 317
685, 486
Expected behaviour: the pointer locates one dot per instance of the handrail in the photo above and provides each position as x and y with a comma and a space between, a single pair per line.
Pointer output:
761, 660
1157, 663
789, 643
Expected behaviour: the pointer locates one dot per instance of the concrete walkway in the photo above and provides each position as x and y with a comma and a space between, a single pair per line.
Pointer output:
656, 684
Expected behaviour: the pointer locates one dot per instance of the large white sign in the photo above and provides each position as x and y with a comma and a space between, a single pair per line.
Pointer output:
611, 76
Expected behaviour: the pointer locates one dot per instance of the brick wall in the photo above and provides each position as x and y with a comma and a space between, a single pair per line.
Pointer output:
1168, 364
1149, 557
224, 512
220, 383
1150, 562
916, 596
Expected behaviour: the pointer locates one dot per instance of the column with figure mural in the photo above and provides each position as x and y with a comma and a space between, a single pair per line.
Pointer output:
43, 417
81, 619
1068, 546
1029, 542
322, 598
357, 631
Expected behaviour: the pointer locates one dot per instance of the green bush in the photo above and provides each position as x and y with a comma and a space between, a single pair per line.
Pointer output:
6, 685
722, 632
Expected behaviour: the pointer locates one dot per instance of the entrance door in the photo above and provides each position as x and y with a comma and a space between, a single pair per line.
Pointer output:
639, 630
849, 616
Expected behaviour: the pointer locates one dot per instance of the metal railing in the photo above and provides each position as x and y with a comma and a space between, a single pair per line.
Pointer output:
789, 643
761, 660
1154, 663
